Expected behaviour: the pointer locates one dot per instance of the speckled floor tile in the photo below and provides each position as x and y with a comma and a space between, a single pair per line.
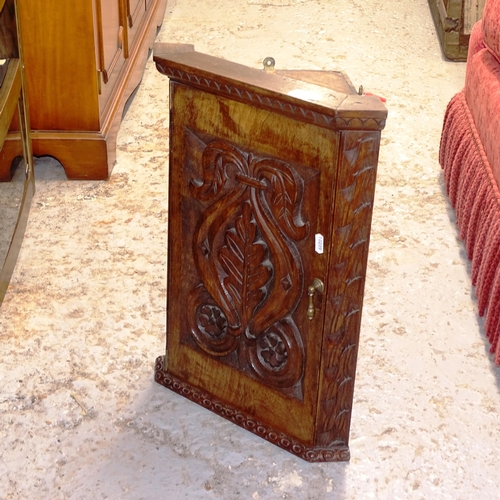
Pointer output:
84, 317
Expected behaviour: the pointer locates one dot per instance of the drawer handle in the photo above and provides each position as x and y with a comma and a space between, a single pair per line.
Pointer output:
316, 286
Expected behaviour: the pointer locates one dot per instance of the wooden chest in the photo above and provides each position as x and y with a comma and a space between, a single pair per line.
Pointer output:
271, 185
454, 20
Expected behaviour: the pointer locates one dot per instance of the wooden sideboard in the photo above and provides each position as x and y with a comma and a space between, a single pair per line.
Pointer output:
83, 60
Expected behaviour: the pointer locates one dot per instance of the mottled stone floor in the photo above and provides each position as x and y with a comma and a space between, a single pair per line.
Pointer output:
84, 318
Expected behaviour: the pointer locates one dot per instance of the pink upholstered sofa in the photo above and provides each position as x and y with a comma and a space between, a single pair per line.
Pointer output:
470, 157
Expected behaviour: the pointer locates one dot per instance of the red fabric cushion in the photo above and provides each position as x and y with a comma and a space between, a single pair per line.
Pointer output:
482, 93
476, 39
491, 26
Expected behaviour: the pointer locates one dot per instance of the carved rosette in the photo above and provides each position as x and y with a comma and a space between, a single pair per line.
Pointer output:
250, 269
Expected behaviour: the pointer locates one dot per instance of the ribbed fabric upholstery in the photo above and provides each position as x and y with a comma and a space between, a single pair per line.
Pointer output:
470, 157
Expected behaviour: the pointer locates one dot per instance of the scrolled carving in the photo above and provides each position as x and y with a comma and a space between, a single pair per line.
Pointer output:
249, 265
208, 324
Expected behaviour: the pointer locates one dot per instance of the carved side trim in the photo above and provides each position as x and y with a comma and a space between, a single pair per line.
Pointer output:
274, 104
352, 221
357, 123
333, 453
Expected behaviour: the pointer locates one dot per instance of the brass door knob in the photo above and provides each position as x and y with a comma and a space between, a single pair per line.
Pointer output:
316, 286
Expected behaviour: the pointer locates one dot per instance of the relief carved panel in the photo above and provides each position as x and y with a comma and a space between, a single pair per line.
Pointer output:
248, 263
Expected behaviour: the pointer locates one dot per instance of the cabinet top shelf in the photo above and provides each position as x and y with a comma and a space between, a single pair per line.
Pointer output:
277, 91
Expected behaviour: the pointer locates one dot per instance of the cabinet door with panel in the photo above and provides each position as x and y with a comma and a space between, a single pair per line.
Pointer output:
270, 196
111, 39
136, 10
250, 206
110, 34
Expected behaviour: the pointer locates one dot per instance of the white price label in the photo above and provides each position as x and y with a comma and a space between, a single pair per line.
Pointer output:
318, 243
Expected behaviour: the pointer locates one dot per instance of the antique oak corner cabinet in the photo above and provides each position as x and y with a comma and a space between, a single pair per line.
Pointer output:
271, 186
83, 60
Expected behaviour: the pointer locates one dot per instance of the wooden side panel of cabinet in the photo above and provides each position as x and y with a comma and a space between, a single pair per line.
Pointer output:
351, 223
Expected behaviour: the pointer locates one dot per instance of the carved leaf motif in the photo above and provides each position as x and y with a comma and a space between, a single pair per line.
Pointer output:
243, 259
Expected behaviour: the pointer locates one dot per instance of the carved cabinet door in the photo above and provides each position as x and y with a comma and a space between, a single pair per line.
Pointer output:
248, 194
254, 193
